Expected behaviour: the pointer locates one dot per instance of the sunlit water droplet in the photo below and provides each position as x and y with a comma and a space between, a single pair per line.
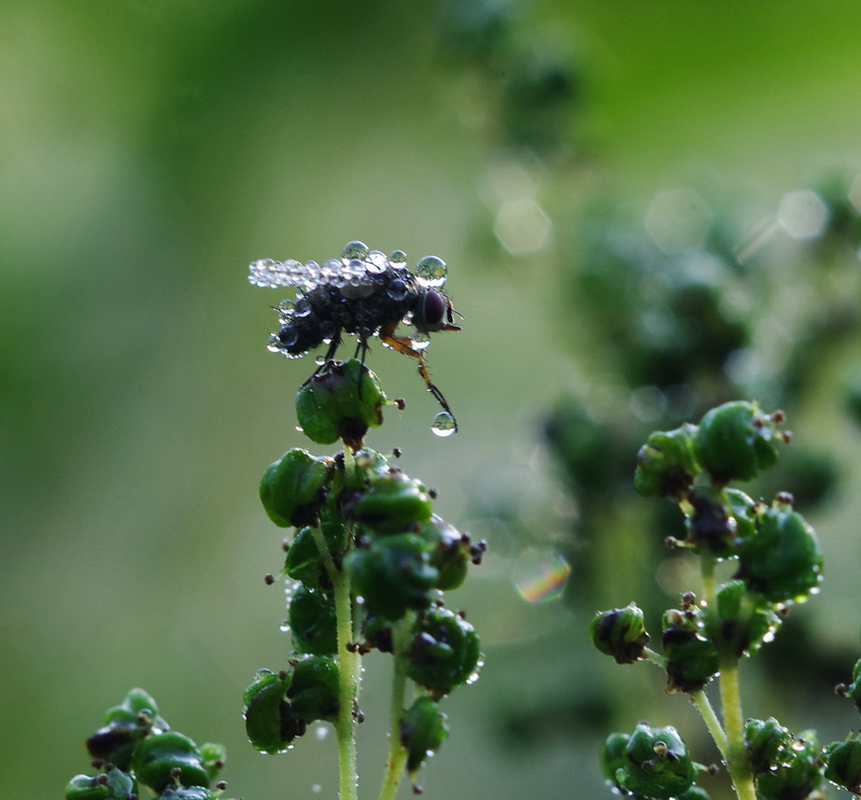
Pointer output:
355, 249
284, 627
321, 731
431, 272
541, 577
398, 257
443, 424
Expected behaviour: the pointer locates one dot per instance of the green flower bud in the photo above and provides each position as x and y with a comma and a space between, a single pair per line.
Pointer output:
736, 441
377, 633
694, 793
711, 526
165, 758
293, 488
444, 652
782, 561
657, 763
613, 756
269, 722
393, 574
214, 756
312, 621
340, 402
304, 562
392, 503
187, 793
314, 691
666, 464
768, 744
450, 552
853, 690
743, 628
114, 784
620, 633
843, 764
692, 659
800, 777
126, 725
423, 730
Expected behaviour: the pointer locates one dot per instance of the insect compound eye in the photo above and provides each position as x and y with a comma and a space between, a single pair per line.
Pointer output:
432, 312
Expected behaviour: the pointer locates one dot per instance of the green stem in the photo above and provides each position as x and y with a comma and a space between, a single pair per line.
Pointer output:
701, 701
348, 689
397, 753
737, 760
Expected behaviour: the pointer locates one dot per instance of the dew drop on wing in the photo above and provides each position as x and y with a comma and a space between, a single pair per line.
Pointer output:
376, 263
398, 257
356, 249
396, 289
443, 424
431, 272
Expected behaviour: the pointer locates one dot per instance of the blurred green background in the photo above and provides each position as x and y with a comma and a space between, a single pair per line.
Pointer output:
151, 149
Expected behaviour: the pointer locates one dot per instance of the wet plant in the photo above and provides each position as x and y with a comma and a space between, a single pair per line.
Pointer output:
777, 564
368, 560
136, 751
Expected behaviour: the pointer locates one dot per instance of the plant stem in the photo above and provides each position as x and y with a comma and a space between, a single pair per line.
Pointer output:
701, 701
737, 760
348, 689
397, 753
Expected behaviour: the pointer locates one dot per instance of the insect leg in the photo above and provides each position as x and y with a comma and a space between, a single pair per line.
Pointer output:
404, 345
330, 354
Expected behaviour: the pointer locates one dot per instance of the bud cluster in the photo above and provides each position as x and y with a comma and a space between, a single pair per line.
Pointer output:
136, 747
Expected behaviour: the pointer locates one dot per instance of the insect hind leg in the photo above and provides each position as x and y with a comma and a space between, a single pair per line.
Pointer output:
404, 345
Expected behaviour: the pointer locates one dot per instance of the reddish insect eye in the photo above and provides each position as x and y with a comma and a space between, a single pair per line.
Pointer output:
432, 312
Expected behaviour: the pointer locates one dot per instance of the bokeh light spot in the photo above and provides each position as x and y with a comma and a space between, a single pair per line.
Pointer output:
541, 576
802, 214
678, 220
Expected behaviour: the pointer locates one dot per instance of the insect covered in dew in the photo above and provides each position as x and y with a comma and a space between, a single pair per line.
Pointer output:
364, 293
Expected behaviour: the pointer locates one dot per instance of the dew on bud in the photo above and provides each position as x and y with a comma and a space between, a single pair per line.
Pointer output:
443, 424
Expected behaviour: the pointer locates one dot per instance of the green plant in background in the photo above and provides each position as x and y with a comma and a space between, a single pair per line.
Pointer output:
778, 563
136, 748
369, 560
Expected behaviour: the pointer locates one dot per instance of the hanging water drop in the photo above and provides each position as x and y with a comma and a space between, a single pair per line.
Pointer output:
443, 424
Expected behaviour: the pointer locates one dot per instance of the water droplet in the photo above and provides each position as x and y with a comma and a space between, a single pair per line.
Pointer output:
302, 307
376, 262
419, 340
274, 344
443, 424
355, 249
286, 337
316, 788
321, 359
431, 272
284, 627
321, 731
397, 289
398, 257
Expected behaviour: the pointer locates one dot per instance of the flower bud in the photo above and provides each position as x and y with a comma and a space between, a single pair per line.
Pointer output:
393, 574
188, 793
269, 722
620, 633
114, 784
164, 758
800, 776
743, 627
126, 725
853, 690
782, 561
423, 729
312, 621
293, 488
613, 756
692, 659
666, 464
314, 691
340, 402
304, 562
656, 763
392, 503
843, 764
444, 652
768, 744
736, 441
711, 526
450, 552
